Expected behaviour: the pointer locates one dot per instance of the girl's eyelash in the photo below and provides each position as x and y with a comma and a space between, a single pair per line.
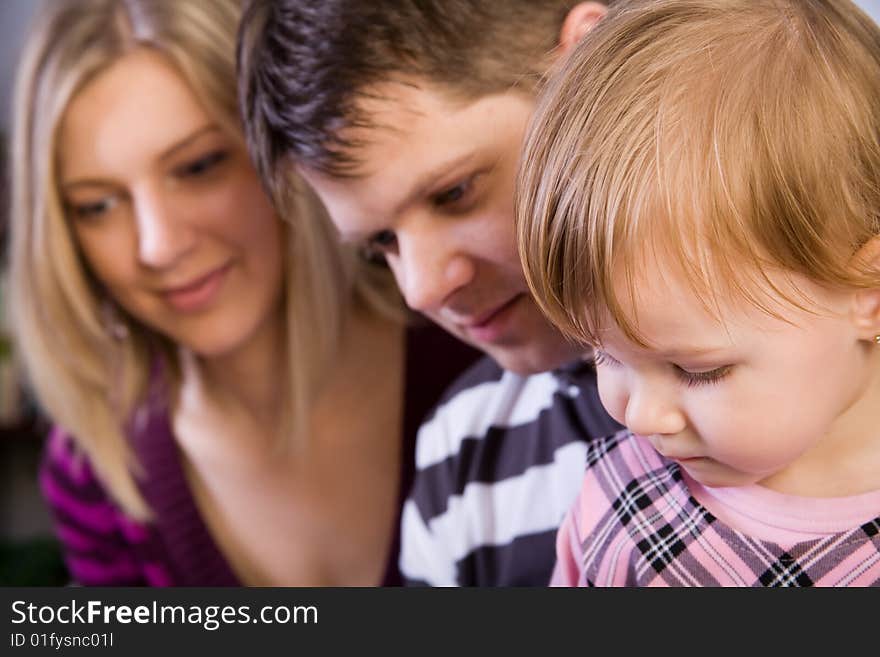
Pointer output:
693, 379
601, 358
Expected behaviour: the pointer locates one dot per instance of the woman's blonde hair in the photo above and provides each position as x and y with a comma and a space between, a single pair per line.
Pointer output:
731, 138
87, 380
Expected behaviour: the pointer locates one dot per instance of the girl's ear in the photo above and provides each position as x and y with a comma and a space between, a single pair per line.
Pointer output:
866, 314
866, 302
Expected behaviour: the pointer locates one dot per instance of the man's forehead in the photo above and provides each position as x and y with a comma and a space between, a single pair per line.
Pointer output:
393, 119
405, 96
419, 122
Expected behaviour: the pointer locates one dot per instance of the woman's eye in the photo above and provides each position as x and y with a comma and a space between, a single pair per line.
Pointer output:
93, 209
703, 378
201, 165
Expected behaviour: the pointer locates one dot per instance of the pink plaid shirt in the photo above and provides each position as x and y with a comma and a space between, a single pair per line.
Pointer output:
636, 522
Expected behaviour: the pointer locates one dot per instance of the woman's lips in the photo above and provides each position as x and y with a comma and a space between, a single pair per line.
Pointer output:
198, 294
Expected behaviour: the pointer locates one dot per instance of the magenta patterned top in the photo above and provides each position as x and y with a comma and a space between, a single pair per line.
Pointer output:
105, 547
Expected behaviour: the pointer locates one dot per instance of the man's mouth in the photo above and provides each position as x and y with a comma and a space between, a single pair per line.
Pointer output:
490, 325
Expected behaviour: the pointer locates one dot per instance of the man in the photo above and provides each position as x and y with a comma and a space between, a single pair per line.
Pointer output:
407, 119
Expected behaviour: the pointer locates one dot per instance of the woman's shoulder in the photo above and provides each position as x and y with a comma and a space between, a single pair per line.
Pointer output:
63, 460
71, 486
102, 544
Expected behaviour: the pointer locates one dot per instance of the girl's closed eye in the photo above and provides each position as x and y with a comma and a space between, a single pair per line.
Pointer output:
689, 377
706, 377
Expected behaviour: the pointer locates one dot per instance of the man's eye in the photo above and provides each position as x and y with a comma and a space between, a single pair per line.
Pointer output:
453, 194
201, 165
382, 239
378, 246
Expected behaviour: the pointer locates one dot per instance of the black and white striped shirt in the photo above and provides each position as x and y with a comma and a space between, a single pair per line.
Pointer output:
497, 466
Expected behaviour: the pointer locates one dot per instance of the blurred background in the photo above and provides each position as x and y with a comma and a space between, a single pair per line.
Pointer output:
28, 552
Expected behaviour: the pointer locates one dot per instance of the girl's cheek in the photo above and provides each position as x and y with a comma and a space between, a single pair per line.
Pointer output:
612, 393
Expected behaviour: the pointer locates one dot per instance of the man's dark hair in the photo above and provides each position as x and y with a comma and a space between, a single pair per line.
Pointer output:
303, 65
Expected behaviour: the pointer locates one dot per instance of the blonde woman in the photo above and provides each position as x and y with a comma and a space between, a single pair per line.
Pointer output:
235, 397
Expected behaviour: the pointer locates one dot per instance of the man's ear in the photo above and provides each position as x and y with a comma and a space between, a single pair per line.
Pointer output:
582, 18
866, 302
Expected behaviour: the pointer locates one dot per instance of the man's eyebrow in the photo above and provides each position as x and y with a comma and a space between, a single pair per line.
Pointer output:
420, 188
428, 179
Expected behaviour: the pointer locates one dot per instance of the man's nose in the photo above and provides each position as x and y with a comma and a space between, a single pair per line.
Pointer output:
429, 272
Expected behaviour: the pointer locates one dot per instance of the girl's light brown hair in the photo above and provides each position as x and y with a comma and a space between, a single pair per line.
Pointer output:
730, 138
